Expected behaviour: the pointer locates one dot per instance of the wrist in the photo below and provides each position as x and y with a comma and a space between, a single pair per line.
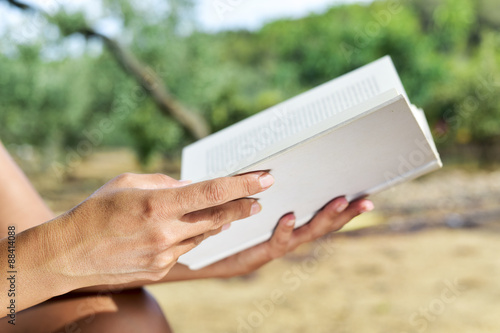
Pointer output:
37, 266
75, 264
52, 260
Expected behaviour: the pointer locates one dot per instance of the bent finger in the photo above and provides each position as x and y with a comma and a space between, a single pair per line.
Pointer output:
331, 218
279, 243
190, 243
215, 217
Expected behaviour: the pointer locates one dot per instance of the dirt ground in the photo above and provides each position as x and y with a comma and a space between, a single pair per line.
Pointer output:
434, 281
431, 264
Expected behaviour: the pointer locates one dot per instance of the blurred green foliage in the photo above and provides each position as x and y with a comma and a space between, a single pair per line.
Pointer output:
445, 52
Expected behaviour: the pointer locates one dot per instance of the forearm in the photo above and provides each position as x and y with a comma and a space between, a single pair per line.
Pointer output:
21, 205
31, 267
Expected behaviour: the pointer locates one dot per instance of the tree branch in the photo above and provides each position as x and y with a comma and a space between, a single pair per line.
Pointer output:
194, 123
20, 5
167, 104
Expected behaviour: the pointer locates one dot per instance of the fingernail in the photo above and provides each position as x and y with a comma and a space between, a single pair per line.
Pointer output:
256, 207
290, 223
226, 226
367, 206
266, 180
341, 206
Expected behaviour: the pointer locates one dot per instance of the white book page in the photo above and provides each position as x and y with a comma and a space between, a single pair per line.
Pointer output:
267, 132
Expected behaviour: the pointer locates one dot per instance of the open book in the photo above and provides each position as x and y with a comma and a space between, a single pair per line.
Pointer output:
353, 136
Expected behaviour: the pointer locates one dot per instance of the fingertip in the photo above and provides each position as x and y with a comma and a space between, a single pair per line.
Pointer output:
257, 181
288, 220
338, 205
366, 206
266, 180
255, 208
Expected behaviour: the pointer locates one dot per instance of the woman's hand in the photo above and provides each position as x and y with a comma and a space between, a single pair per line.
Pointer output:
285, 239
136, 226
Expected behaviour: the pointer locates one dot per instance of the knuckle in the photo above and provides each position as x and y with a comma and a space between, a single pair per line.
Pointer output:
198, 239
163, 179
149, 207
159, 274
125, 178
162, 261
182, 199
218, 216
161, 176
216, 191
156, 265
244, 208
154, 207
160, 241
248, 185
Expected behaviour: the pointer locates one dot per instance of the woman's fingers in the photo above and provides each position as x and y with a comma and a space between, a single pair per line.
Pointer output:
279, 243
199, 225
257, 256
332, 217
191, 243
164, 261
276, 247
218, 191
216, 217
188, 245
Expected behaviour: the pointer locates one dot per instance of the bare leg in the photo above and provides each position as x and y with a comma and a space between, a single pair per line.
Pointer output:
129, 311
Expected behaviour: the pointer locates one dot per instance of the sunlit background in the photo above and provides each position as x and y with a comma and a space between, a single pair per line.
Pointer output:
81, 86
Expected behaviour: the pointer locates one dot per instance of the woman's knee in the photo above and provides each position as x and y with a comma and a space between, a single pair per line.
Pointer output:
126, 311
136, 311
